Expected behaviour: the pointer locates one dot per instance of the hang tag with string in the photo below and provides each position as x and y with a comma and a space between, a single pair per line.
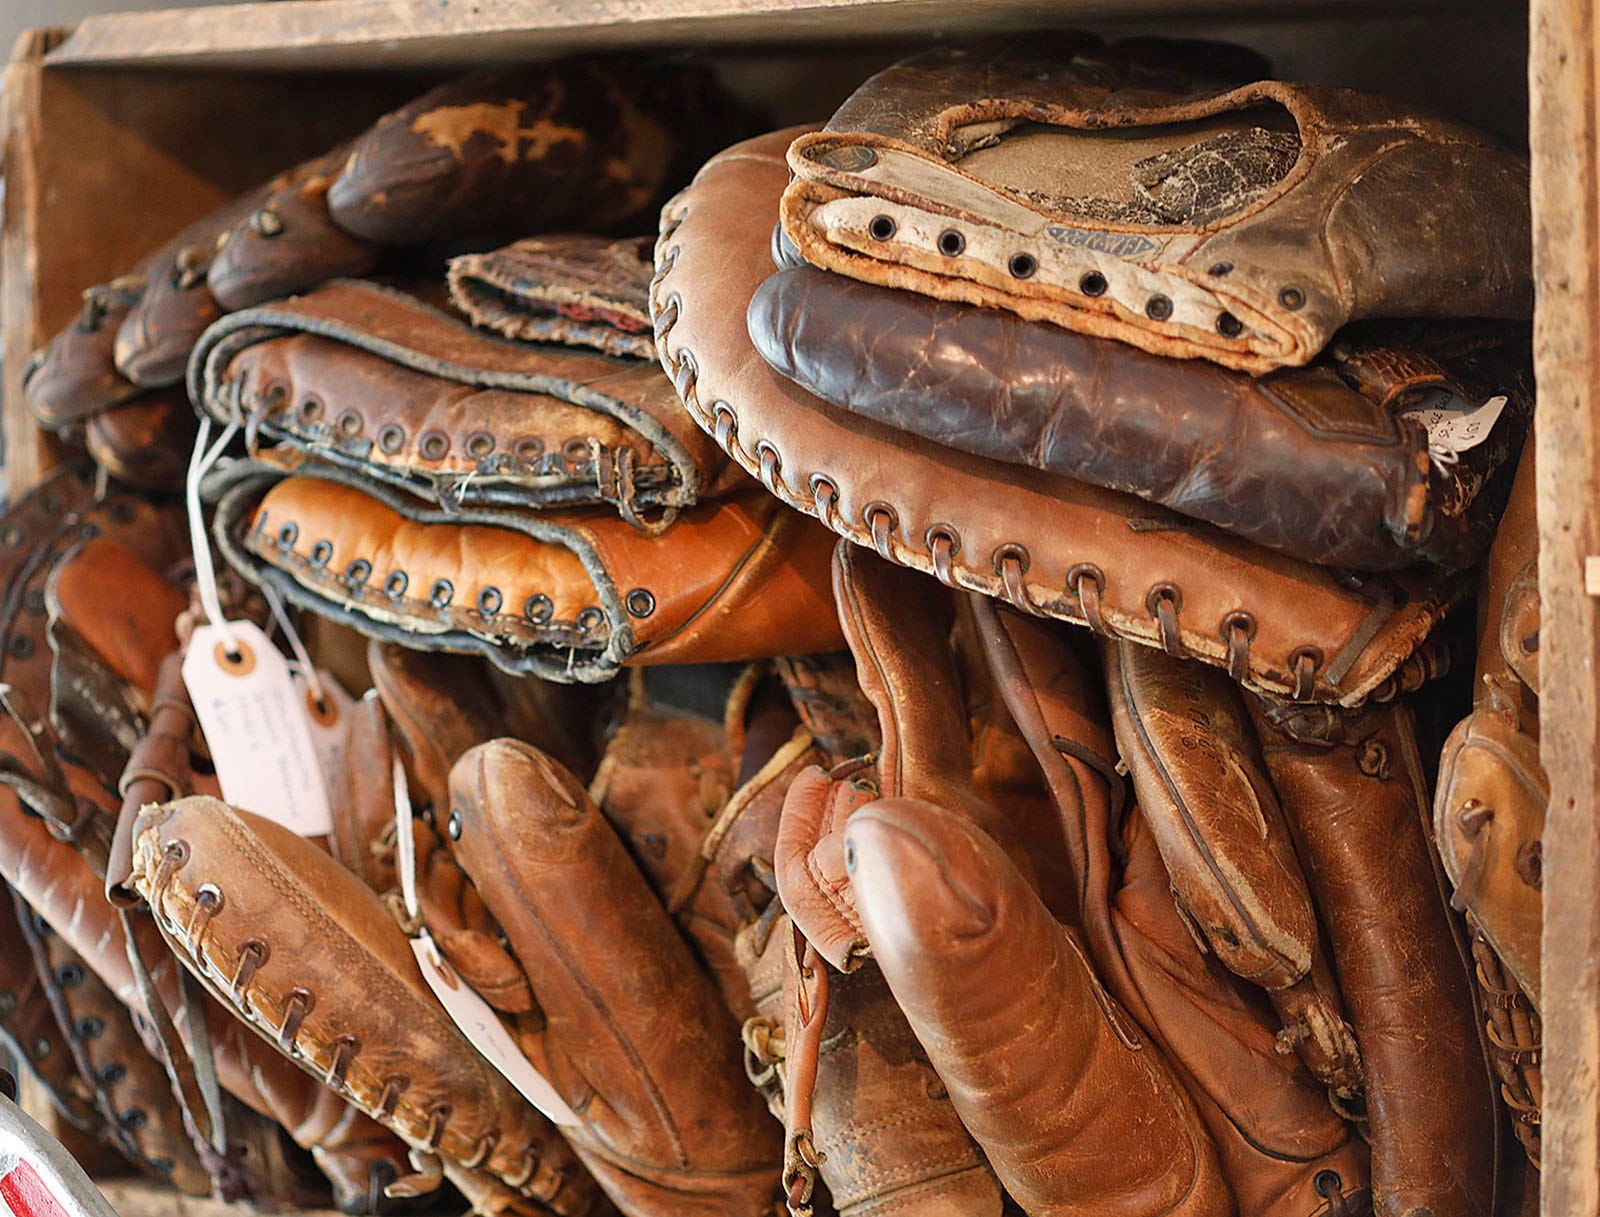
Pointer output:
252, 716
1454, 425
325, 702
473, 1016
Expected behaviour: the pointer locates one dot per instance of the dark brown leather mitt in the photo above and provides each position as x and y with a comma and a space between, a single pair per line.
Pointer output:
1099, 190
582, 142
143, 442
315, 964
572, 289
1331, 463
1283, 1149
1045, 1068
375, 381
633, 1034
566, 596
1048, 545
1355, 796
75, 375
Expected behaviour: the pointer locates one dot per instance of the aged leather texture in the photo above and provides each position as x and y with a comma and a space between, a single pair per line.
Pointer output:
144, 441
1276, 1135
1045, 1068
1050, 546
1242, 225
1359, 811
289, 243
566, 596
568, 288
1323, 462
589, 143
1184, 734
633, 1033
312, 961
374, 380
74, 375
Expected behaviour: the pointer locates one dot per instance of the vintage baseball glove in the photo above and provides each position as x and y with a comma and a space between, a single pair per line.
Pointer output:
567, 596
142, 442
376, 382
1330, 463
1241, 225
1353, 791
632, 1033
1048, 545
1284, 1151
75, 374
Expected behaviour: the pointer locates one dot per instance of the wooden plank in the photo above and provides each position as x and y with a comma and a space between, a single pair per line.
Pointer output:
134, 1197
445, 33
1563, 137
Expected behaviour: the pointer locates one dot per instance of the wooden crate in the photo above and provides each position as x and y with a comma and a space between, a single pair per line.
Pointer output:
123, 129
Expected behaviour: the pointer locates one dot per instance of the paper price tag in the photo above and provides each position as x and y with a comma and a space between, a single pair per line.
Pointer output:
481, 1025
254, 721
327, 723
1454, 425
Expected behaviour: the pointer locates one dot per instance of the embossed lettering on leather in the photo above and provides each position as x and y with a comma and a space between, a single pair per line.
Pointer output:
1240, 225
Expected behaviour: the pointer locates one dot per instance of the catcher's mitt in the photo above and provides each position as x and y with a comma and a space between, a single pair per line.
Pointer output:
1241, 225
1048, 545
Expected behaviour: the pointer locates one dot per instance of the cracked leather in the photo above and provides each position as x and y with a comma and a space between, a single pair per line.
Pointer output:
1049, 545
1322, 463
567, 596
942, 174
572, 289
1272, 1125
374, 380
1359, 811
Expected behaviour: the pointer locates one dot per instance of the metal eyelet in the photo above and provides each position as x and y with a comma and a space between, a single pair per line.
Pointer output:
357, 573
288, 535
453, 826
825, 494
20, 646
944, 543
344, 1051
590, 619
1093, 283
311, 408
266, 222
480, 444
576, 450
391, 438
1087, 582
298, 1005
441, 593
1219, 269
321, 554
528, 449
770, 465
1011, 562
1292, 298
69, 975
252, 954
951, 243
538, 608
882, 228
349, 424
881, 520
394, 1085
395, 584
639, 602
1238, 631
1229, 326
1164, 601
1158, 308
724, 425
111, 1075
1303, 665
489, 601
89, 1027
434, 445
1022, 266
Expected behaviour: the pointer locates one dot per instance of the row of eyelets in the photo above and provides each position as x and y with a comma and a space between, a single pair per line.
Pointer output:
1085, 582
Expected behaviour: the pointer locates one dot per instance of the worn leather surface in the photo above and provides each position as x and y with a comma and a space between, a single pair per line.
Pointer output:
376, 381
289, 243
633, 1034
1322, 462
331, 983
1259, 220
129, 1085
144, 442
569, 288
74, 375
578, 143
1045, 1068
1183, 733
566, 596
1050, 546
1359, 811
1272, 1125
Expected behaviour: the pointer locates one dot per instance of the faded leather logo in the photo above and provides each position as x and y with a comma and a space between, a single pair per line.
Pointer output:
1117, 244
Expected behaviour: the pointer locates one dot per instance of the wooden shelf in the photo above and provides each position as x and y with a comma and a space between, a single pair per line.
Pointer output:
438, 34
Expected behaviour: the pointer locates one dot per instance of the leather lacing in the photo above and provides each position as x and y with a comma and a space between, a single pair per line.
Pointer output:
1085, 583
253, 954
1514, 1035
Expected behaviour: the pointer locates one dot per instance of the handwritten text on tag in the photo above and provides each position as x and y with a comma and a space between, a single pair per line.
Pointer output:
254, 720
1454, 425
479, 1023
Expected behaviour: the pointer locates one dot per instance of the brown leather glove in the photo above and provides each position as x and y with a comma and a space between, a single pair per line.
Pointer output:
1283, 1149
631, 1030
1242, 225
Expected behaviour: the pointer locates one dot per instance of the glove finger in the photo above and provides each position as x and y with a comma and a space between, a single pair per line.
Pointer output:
1047, 1073
636, 1036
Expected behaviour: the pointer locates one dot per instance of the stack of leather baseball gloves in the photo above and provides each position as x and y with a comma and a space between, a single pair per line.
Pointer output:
683, 858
